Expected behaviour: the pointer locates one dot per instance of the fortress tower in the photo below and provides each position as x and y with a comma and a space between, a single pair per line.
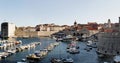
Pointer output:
109, 23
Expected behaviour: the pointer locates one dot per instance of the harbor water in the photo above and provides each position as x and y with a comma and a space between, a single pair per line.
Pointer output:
57, 52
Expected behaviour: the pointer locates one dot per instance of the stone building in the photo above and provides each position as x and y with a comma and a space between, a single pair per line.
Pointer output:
49, 27
39, 30
109, 40
26, 32
85, 29
7, 30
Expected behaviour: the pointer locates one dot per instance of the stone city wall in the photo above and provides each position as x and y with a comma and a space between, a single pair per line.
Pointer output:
108, 43
34, 33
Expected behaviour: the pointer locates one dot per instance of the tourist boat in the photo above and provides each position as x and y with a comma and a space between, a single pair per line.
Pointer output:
116, 59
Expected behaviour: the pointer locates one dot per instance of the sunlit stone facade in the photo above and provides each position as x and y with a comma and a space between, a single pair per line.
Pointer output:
109, 43
7, 29
109, 40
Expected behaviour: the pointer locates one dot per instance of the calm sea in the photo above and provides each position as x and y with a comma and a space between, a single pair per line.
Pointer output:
58, 52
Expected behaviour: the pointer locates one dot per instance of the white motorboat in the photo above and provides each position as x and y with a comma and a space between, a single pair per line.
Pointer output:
44, 52
89, 43
68, 60
116, 59
22, 61
56, 60
72, 44
73, 50
56, 43
105, 62
68, 38
11, 51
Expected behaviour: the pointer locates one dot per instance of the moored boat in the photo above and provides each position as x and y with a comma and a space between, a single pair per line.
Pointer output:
11, 51
68, 38
56, 60
73, 51
33, 57
22, 61
116, 59
68, 60
72, 44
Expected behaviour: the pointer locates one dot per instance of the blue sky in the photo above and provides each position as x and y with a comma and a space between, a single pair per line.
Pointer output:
33, 12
